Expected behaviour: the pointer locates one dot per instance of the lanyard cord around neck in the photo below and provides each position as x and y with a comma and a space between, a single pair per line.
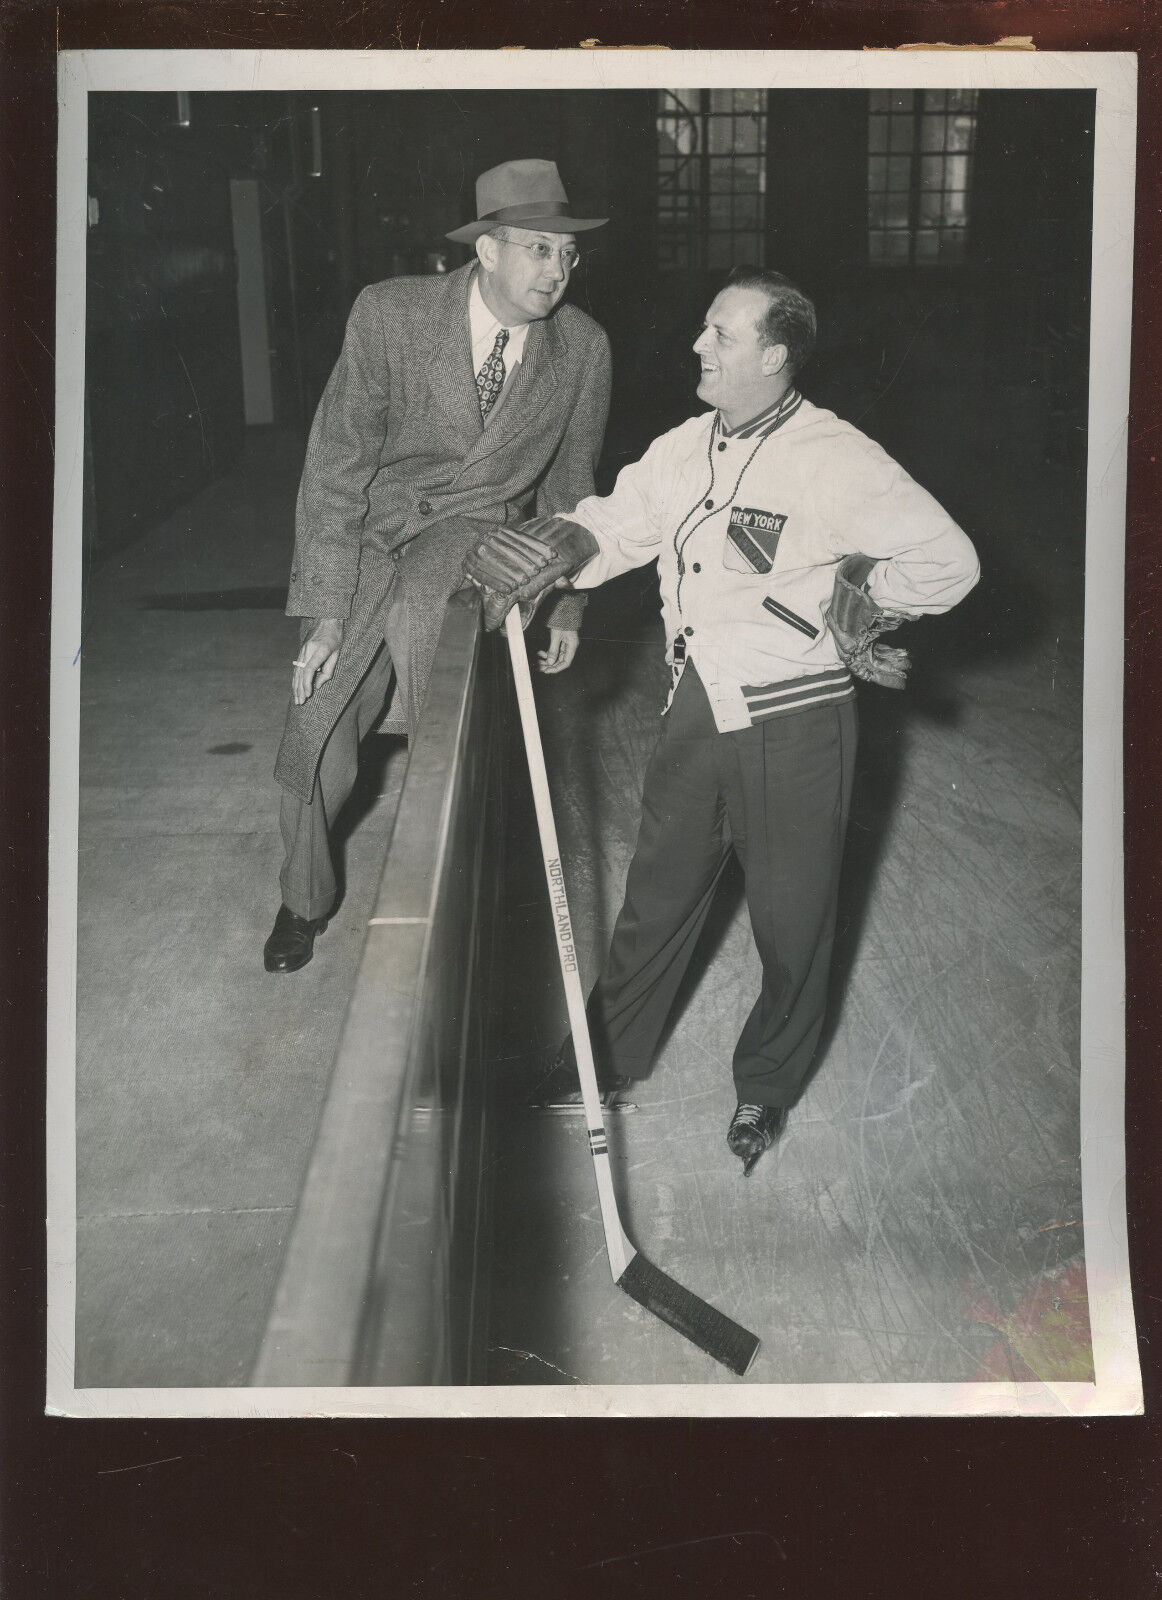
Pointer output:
788, 408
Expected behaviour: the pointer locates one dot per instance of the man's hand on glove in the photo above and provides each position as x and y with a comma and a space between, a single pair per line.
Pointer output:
516, 566
856, 622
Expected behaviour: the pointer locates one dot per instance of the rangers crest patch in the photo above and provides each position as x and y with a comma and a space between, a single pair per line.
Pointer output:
755, 536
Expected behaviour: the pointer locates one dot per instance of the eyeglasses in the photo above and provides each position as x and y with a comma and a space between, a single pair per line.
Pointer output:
542, 252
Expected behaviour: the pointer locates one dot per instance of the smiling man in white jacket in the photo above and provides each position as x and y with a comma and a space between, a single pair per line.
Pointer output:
752, 511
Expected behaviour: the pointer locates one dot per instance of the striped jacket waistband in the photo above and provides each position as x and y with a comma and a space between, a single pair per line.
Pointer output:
796, 694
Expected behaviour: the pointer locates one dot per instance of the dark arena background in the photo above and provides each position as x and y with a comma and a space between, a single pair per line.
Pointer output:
331, 1178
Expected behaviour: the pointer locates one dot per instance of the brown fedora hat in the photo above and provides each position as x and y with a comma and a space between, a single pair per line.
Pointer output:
523, 194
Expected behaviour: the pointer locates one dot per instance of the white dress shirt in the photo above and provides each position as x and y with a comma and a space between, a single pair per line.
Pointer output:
484, 327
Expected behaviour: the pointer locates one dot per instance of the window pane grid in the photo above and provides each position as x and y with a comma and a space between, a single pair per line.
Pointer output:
711, 166
920, 145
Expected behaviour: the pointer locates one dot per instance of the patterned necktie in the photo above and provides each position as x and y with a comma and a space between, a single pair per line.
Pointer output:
490, 378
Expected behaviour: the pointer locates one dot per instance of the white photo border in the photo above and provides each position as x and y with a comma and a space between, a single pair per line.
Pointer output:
1117, 1388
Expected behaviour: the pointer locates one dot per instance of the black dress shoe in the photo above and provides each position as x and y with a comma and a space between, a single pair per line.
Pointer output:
559, 1089
752, 1130
292, 941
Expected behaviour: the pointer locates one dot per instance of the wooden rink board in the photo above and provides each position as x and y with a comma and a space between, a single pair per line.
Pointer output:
378, 1281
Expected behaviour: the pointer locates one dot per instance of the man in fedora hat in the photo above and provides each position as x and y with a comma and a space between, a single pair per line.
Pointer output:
460, 397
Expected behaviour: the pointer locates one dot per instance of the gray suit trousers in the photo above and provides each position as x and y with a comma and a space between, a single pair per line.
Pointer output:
308, 873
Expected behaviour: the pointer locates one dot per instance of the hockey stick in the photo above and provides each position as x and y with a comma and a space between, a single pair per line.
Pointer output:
709, 1329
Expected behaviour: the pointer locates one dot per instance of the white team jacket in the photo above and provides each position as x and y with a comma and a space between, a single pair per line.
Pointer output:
748, 528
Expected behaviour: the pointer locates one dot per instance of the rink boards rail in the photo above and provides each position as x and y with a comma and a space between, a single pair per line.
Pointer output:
380, 1283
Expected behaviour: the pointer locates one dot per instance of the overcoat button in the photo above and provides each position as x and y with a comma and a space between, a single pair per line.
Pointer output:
687, 631
710, 505
425, 508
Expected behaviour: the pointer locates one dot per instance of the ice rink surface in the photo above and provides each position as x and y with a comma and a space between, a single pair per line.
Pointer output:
921, 1217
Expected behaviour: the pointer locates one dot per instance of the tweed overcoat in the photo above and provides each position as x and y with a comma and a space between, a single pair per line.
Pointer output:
400, 472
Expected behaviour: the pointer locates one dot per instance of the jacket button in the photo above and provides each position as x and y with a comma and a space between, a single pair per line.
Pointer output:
697, 566
688, 632
710, 505
425, 508
722, 446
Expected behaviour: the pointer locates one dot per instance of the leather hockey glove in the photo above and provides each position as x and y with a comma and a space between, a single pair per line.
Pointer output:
856, 622
517, 566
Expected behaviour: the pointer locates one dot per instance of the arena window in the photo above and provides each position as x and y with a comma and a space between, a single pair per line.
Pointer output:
711, 168
919, 175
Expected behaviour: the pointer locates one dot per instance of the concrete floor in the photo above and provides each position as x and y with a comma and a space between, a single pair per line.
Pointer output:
921, 1217
200, 1077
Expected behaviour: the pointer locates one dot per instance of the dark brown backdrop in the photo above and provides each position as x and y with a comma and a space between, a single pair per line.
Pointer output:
141, 1510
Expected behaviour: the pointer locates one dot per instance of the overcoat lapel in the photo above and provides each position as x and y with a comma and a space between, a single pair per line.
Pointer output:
533, 384
447, 354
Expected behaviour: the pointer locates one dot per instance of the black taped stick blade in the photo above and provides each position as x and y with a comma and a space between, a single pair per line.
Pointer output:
705, 1327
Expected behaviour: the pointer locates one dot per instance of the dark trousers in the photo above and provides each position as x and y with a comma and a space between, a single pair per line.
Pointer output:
783, 789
